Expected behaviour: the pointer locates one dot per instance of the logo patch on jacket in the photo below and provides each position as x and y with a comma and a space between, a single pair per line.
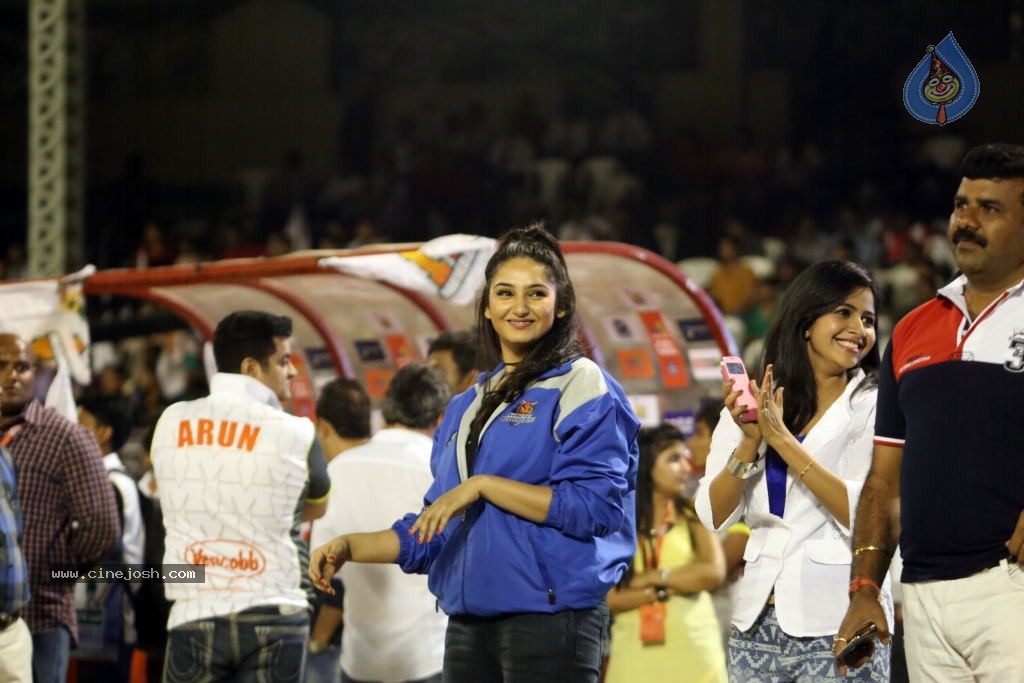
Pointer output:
522, 414
1016, 362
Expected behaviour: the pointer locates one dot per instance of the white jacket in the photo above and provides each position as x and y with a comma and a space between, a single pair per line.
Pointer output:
805, 556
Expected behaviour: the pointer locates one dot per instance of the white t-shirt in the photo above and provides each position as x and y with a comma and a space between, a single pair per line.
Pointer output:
393, 629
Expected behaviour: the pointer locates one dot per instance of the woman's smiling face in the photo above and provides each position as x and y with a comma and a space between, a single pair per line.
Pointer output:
521, 305
839, 339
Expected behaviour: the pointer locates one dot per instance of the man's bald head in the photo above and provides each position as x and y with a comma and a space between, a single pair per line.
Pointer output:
17, 374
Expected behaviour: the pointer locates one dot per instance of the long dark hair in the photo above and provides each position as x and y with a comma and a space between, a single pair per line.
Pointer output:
651, 441
561, 343
818, 290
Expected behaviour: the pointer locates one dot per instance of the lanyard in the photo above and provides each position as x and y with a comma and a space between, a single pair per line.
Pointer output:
649, 561
11, 432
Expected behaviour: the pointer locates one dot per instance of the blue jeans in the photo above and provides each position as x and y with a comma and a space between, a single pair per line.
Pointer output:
324, 666
50, 655
525, 648
257, 644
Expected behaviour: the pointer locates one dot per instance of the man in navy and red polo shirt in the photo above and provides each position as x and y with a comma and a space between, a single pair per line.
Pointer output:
949, 449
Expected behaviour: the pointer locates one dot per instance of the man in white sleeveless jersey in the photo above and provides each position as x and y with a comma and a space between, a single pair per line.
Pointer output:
237, 475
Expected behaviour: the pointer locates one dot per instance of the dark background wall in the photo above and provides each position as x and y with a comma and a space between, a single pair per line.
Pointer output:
205, 93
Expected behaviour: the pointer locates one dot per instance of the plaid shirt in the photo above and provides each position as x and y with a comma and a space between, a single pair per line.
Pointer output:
69, 508
13, 570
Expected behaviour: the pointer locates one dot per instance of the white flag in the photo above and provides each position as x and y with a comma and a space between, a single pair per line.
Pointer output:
50, 316
451, 267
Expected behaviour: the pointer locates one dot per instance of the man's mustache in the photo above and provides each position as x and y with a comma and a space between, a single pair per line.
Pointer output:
968, 235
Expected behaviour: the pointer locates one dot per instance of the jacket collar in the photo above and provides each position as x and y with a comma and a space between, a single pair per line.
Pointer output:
499, 370
483, 380
245, 387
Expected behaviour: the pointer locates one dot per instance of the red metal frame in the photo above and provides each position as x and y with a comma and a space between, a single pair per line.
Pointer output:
253, 272
170, 301
234, 270
425, 304
700, 298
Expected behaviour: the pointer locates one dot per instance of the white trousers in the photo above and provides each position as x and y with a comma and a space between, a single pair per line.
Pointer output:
968, 630
16, 653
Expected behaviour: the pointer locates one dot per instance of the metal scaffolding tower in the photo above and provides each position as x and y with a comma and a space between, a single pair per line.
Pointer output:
56, 153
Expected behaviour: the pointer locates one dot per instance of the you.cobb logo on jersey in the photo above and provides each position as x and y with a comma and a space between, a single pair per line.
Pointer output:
521, 414
226, 558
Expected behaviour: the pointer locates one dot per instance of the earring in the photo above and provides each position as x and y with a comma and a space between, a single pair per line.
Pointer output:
807, 334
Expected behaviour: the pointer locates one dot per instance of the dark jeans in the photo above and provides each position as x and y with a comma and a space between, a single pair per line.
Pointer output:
525, 648
429, 679
324, 666
108, 671
50, 651
257, 644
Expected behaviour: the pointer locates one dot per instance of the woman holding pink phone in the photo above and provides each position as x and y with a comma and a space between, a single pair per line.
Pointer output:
795, 475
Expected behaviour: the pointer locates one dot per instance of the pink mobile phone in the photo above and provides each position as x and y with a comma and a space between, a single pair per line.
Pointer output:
732, 368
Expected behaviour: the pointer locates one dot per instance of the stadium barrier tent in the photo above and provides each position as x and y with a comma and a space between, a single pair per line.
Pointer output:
652, 327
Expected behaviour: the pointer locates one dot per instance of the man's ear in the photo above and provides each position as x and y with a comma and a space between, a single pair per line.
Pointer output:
251, 367
104, 434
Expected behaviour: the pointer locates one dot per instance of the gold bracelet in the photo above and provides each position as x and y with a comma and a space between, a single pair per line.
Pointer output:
811, 462
868, 548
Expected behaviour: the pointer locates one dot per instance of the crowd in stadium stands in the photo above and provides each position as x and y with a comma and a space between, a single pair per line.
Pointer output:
613, 176
757, 212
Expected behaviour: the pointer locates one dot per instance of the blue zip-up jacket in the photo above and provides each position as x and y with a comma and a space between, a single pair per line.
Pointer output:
572, 430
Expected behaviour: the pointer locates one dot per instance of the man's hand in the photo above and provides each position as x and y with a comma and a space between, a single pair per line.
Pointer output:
1016, 543
864, 609
326, 560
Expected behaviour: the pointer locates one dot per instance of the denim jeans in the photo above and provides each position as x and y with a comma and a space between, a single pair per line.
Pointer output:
525, 648
429, 679
258, 645
324, 666
50, 655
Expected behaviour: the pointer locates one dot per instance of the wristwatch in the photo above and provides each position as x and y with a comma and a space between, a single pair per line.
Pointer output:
742, 469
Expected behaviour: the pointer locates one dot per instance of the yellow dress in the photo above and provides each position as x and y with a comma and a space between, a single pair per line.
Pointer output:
692, 651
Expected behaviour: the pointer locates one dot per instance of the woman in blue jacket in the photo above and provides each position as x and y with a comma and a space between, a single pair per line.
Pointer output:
530, 519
